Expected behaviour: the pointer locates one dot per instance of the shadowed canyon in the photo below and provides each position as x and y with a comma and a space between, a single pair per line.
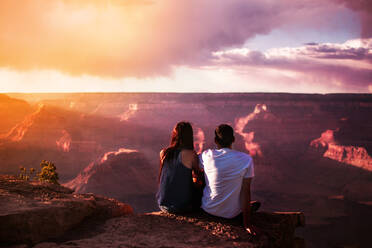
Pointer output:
312, 153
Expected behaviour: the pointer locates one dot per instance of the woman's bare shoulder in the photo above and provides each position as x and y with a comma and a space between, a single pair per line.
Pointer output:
188, 153
187, 157
162, 152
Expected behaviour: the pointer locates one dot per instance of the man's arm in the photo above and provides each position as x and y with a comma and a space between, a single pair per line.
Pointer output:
246, 204
197, 172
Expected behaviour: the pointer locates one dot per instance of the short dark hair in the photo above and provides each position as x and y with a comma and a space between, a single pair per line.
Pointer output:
224, 135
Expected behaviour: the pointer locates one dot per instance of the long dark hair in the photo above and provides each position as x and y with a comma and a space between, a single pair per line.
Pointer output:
182, 138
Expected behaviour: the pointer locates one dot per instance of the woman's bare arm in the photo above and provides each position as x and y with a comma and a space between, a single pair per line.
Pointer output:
161, 154
246, 203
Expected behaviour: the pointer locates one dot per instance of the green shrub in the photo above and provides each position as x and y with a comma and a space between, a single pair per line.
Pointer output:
48, 172
27, 174
23, 173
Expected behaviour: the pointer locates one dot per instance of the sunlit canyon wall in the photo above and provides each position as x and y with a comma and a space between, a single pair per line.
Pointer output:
312, 153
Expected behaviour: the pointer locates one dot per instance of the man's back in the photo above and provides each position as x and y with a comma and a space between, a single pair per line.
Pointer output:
224, 172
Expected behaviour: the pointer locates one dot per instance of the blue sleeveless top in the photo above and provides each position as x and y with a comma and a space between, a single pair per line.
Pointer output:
175, 187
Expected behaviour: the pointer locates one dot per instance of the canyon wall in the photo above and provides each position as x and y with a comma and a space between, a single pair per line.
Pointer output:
311, 152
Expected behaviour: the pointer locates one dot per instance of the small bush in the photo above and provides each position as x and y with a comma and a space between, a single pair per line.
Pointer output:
48, 172
23, 173
27, 174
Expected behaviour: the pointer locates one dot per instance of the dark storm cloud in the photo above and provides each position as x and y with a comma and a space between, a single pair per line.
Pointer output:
364, 8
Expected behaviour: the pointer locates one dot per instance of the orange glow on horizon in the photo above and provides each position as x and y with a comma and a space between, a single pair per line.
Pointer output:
173, 46
94, 37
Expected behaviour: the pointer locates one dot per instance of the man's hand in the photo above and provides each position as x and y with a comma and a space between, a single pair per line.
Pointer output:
250, 231
254, 231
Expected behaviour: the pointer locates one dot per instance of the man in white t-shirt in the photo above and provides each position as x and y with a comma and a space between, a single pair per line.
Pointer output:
228, 176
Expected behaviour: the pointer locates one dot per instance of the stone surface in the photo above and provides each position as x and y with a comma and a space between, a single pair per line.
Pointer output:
157, 229
47, 215
31, 212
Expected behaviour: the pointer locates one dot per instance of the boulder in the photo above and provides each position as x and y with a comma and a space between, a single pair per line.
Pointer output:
31, 212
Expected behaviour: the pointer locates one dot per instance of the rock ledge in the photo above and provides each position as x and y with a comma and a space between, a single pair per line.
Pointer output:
31, 212
38, 214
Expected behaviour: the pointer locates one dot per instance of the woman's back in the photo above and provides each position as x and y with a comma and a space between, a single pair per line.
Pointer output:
175, 186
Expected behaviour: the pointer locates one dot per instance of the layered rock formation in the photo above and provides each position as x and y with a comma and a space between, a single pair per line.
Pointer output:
277, 129
68, 138
12, 111
47, 133
122, 174
353, 155
31, 212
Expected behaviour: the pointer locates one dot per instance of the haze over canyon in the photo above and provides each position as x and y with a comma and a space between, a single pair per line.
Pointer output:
312, 152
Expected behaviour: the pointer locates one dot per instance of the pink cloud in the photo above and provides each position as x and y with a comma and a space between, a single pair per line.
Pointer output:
140, 38
348, 64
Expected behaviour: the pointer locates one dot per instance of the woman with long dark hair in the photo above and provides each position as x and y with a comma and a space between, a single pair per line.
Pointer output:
177, 192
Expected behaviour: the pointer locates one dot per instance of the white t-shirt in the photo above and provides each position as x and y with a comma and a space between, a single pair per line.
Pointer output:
224, 172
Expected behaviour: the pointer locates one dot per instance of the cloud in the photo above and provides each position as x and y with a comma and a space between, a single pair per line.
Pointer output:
364, 8
121, 38
360, 49
347, 65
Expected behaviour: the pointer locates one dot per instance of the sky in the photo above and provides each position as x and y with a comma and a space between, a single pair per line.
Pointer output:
303, 46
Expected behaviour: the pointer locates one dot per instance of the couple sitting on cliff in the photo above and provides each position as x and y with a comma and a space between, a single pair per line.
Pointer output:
217, 181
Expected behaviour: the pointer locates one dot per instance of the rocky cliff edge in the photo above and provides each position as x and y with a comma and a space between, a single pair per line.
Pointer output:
31, 212
46, 215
